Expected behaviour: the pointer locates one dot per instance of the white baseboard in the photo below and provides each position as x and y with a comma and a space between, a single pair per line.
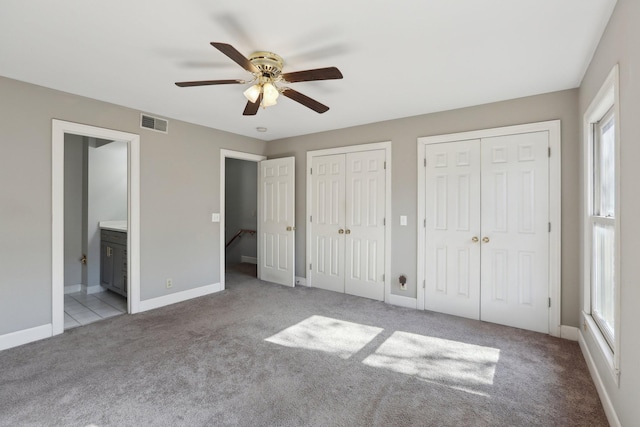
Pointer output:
165, 300
249, 259
93, 289
301, 281
570, 333
609, 410
401, 301
72, 289
25, 336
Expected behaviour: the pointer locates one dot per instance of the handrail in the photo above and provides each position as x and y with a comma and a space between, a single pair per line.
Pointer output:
239, 234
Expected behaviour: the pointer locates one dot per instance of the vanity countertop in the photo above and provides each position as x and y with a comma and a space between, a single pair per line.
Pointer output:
113, 225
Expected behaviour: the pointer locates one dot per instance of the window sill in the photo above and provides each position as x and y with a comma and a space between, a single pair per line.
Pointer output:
593, 332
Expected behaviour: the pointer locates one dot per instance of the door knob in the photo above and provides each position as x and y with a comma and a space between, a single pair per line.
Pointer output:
475, 239
290, 228
347, 231
485, 240
341, 231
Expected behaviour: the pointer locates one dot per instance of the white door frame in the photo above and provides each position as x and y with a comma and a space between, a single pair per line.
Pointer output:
224, 155
555, 196
387, 232
59, 128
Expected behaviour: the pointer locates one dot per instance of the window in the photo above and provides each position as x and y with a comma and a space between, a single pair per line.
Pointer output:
601, 227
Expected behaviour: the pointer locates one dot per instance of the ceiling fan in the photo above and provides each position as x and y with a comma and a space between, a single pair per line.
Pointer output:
266, 68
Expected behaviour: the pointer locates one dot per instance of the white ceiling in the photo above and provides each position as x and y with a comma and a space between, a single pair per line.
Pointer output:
398, 58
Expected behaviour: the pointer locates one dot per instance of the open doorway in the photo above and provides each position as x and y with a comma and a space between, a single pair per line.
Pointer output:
116, 143
238, 215
95, 229
241, 213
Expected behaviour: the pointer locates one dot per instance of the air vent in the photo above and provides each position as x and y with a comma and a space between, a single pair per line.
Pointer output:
154, 123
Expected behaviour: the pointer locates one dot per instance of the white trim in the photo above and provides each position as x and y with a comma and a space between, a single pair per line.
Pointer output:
569, 332
609, 409
301, 281
249, 259
72, 289
14, 339
607, 96
59, 128
95, 289
176, 297
555, 202
386, 145
224, 155
403, 301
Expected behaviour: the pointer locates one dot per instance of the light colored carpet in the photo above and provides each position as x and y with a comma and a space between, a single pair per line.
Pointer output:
260, 354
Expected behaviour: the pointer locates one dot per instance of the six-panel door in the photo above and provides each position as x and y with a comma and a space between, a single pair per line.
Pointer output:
277, 221
453, 228
515, 231
487, 235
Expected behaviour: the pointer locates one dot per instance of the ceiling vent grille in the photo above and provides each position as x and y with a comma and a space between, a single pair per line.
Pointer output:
154, 123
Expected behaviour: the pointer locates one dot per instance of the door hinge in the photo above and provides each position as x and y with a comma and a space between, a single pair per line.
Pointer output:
424, 284
384, 221
385, 165
424, 223
310, 218
383, 277
425, 162
310, 265
549, 151
310, 171
549, 227
549, 302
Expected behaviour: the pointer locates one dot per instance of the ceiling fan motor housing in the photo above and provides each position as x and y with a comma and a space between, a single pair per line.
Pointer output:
269, 63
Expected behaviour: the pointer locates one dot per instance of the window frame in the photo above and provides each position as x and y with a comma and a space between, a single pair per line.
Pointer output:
604, 104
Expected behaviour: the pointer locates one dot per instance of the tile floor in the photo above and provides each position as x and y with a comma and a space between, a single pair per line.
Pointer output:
82, 309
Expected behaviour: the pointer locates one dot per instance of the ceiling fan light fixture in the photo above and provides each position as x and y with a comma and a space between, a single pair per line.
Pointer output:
253, 93
269, 95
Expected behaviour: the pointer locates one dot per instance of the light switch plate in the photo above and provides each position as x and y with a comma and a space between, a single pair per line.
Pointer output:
403, 220
215, 217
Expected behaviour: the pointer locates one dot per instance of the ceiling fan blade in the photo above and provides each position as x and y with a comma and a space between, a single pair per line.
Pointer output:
329, 73
252, 107
209, 82
236, 56
305, 100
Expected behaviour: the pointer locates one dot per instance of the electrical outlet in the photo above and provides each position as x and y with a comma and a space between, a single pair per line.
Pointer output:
403, 282
169, 283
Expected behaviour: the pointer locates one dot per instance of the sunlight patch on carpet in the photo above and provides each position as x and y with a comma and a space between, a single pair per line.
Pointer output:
326, 334
452, 363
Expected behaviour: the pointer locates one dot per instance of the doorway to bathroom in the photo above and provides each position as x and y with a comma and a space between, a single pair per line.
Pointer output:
95, 232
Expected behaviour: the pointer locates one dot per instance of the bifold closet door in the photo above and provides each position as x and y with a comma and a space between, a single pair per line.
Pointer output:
515, 231
347, 223
452, 264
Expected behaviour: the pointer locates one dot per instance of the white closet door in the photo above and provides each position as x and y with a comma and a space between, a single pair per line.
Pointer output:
515, 237
328, 219
452, 264
364, 232
276, 223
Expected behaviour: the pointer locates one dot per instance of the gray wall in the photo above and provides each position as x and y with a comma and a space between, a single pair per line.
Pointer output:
241, 205
619, 44
179, 186
404, 133
107, 196
73, 208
